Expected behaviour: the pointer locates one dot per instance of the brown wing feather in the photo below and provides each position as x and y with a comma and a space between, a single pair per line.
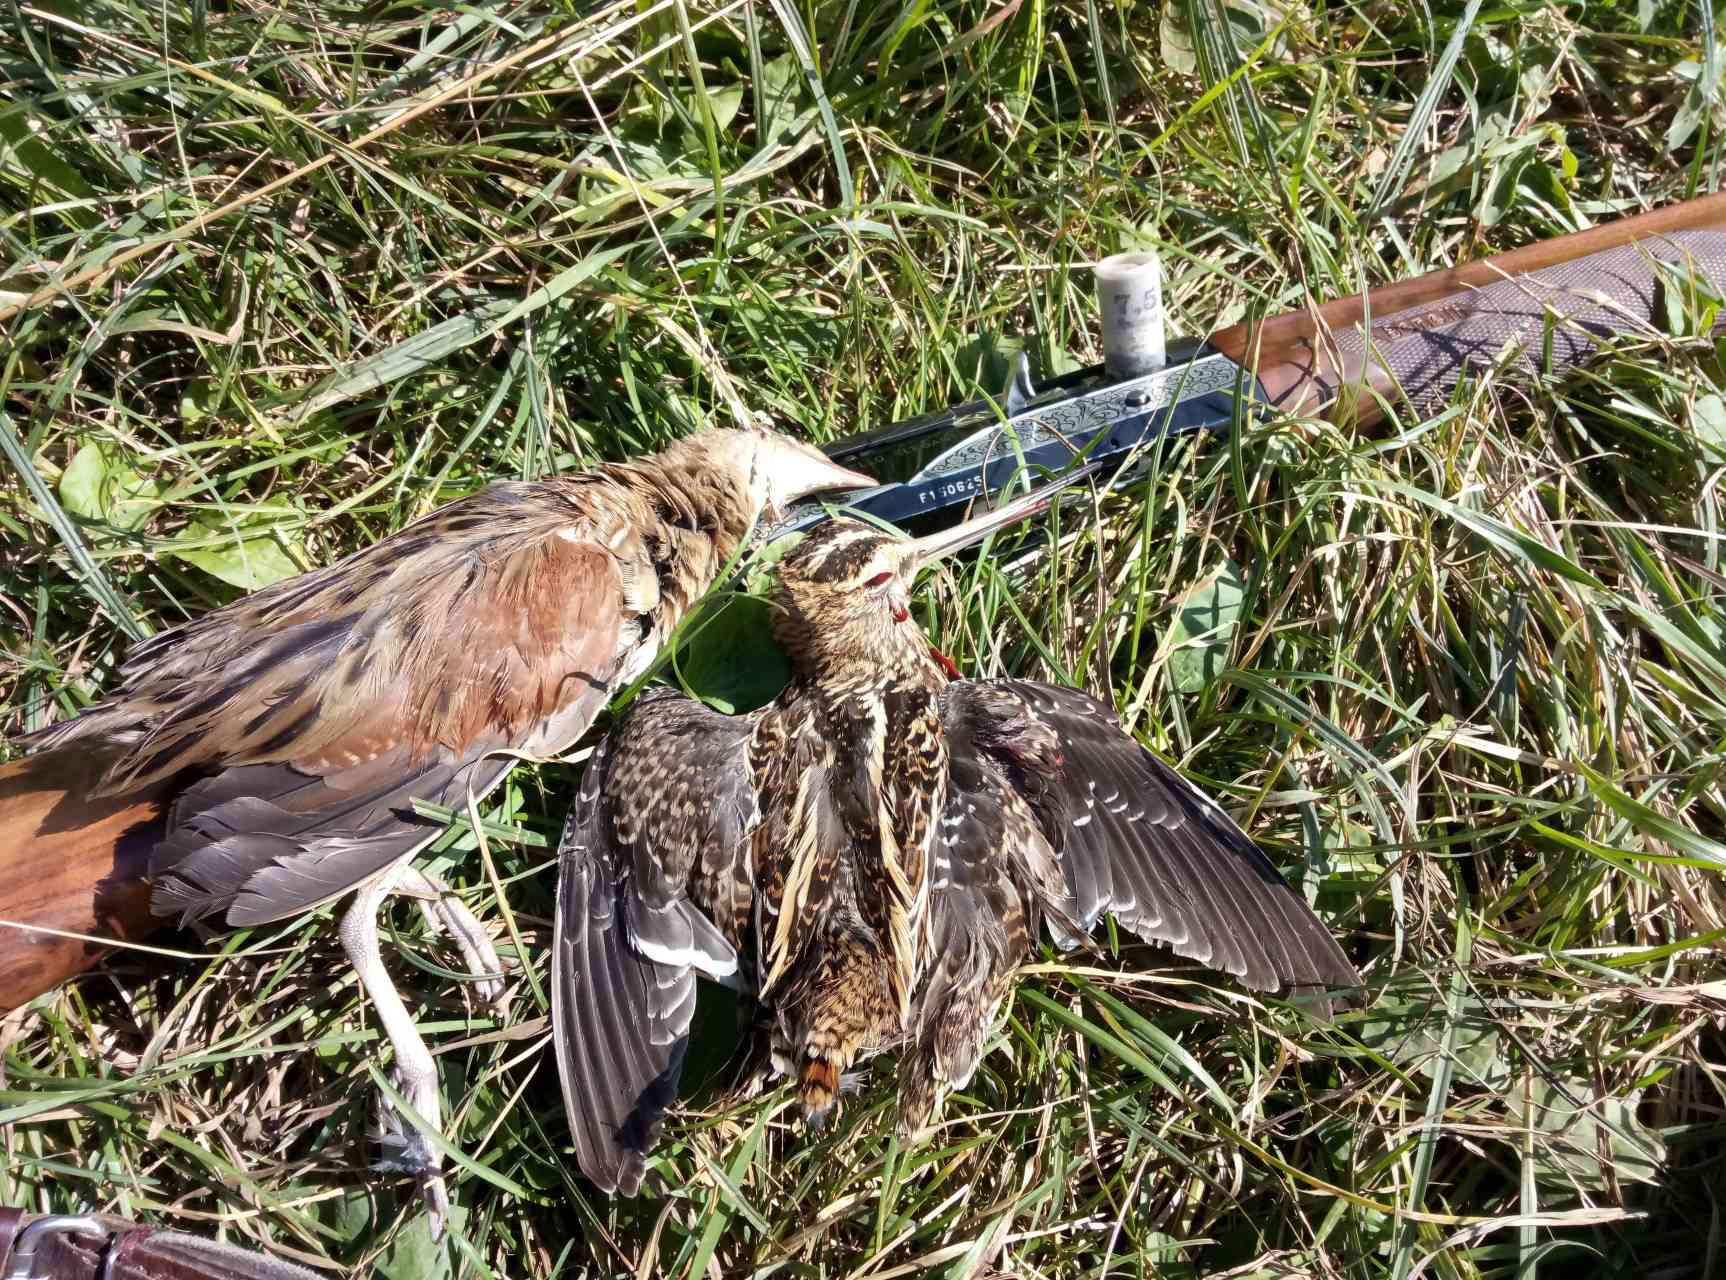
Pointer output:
471, 627
991, 875
663, 816
321, 707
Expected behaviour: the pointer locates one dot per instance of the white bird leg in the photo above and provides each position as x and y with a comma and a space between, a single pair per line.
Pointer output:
414, 1073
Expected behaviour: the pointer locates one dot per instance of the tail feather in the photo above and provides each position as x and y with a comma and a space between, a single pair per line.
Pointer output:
71, 863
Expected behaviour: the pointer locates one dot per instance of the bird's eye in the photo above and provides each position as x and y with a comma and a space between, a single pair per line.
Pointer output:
880, 579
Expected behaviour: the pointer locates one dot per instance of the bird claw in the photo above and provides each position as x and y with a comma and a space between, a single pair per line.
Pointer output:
445, 913
403, 1148
752, 1069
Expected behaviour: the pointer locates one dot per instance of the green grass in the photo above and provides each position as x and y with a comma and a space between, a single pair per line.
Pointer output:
276, 279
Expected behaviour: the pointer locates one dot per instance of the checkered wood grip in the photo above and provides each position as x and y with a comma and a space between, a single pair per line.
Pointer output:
1426, 350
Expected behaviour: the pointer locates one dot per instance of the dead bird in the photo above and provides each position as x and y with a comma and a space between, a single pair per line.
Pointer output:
870, 857
270, 752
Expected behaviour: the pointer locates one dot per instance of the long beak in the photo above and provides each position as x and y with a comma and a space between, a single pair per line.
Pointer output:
811, 475
927, 550
845, 478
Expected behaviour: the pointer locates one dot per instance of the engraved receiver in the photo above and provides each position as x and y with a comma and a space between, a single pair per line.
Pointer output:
1547, 305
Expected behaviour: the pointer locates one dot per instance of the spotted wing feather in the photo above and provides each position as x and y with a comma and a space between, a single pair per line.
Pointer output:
992, 873
666, 806
1137, 840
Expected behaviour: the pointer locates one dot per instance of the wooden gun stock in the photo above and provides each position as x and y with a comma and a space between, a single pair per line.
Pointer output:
1417, 338
77, 865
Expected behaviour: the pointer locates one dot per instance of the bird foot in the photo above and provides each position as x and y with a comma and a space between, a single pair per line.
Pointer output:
753, 1067
403, 1148
445, 913
404, 1142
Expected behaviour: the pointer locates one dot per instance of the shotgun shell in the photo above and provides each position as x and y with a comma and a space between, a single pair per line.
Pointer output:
1130, 294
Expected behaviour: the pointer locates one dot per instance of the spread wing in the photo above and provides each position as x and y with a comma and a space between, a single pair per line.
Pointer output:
665, 809
992, 872
312, 713
1139, 841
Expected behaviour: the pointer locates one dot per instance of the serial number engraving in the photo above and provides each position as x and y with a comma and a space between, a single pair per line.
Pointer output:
947, 491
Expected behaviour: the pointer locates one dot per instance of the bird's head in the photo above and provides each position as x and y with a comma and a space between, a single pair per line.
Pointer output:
845, 590
753, 476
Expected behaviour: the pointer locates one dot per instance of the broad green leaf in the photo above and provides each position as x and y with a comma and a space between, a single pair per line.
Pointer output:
1686, 302
1703, 99
1578, 1133
200, 399
781, 82
988, 361
83, 481
1411, 1033
1251, 20
96, 582
1204, 628
99, 484
1179, 55
724, 103
247, 552
1708, 421
413, 1254
732, 663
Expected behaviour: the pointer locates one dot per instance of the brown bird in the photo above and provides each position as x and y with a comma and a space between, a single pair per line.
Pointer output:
276, 746
871, 856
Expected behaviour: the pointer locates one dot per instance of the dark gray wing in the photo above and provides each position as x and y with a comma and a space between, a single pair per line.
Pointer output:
1139, 841
260, 842
666, 801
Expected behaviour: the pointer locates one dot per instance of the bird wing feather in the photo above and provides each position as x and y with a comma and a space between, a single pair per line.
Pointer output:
990, 872
322, 706
1137, 840
665, 809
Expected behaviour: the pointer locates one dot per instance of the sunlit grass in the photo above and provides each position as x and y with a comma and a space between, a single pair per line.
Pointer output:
275, 280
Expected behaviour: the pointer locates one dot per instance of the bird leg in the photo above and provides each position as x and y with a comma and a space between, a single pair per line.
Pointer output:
752, 1067
414, 1073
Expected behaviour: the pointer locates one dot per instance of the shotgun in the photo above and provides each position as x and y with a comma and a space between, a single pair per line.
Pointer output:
1547, 305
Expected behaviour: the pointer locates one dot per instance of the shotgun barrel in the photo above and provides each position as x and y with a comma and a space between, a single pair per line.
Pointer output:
78, 865
1416, 339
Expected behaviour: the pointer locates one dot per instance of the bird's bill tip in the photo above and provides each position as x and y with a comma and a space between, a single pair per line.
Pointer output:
808, 471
